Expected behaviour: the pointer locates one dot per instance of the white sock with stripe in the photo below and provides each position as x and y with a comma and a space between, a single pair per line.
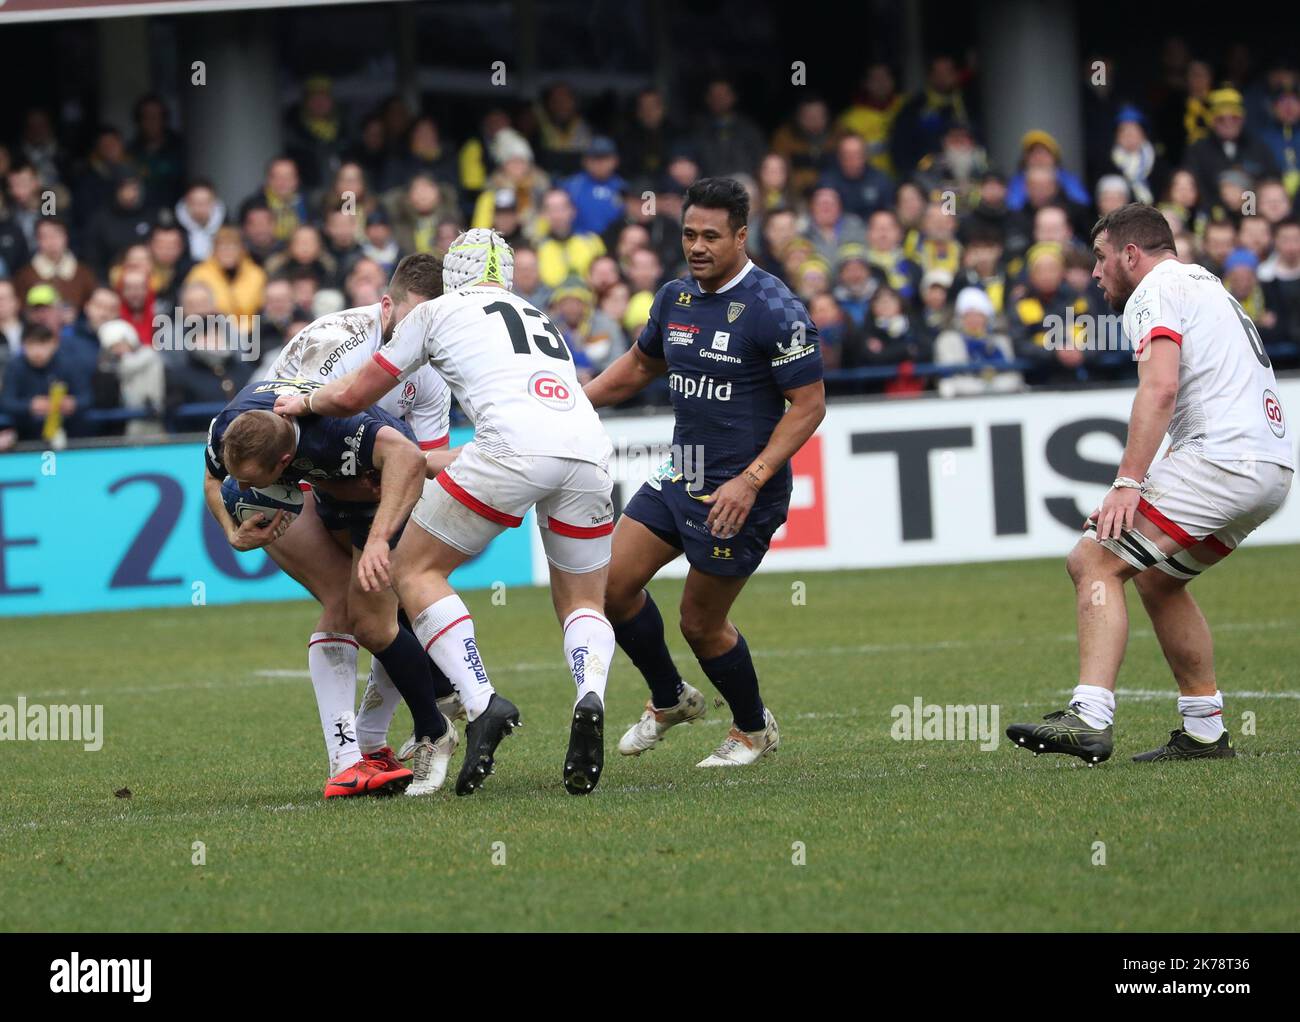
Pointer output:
1202, 716
378, 705
1094, 704
332, 661
589, 649
446, 631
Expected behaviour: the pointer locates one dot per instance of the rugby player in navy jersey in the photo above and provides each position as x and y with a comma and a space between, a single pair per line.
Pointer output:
369, 473
745, 375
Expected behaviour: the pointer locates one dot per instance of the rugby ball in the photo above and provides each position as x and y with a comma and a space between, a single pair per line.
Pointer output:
261, 500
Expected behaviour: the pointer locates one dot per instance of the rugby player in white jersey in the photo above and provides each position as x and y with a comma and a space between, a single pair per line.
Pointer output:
1204, 378
537, 443
314, 548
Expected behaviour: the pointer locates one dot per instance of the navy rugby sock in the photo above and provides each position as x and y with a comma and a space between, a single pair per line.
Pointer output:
733, 675
442, 686
406, 665
641, 637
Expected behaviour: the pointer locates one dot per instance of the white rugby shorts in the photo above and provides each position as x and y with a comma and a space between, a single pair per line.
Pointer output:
1210, 505
476, 498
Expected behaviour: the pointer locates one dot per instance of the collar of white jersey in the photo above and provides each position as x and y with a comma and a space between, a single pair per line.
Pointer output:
749, 265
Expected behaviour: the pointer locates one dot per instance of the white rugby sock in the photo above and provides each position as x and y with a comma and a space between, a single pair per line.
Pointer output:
589, 648
1094, 704
1202, 716
332, 661
378, 705
446, 631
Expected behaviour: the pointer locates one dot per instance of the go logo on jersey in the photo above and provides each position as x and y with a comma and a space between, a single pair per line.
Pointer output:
1273, 413
551, 391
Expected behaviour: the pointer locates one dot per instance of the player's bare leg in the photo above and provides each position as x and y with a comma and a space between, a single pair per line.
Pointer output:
1185, 640
724, 658
443, 626
638, 554
1086, 727
1102, 614
1182, 631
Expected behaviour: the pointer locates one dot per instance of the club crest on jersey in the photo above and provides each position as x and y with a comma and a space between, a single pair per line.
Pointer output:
551, 391
734, 310
407, 398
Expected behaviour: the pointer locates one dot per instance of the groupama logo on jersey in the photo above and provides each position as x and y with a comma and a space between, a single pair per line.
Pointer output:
551, 391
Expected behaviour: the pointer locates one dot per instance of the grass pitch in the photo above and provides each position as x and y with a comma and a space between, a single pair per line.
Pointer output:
210, 722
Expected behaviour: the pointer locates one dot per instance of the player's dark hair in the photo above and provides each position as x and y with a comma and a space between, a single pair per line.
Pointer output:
255, 436
1135, 224
419, 273
720, 193
37, 333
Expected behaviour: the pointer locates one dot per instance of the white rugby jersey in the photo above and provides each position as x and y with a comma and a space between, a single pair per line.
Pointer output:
336, 344
1227, 408
510, 370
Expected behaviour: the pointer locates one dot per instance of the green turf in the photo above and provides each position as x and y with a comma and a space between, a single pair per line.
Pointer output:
898, 835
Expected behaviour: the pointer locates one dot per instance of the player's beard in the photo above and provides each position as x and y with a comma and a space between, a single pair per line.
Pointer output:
1117, 299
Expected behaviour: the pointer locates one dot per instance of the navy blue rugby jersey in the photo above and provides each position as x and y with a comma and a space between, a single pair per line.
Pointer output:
731, 355
327, 448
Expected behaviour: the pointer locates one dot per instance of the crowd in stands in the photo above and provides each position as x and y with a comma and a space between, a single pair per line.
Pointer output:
923, 266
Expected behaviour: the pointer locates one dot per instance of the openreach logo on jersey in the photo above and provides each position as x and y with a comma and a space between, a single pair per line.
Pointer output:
38, 722
77, 975
933, 722
215, 337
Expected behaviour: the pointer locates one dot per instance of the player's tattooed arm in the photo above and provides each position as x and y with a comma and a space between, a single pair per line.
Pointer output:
1153, 407
625, 377
733, 499
401, 480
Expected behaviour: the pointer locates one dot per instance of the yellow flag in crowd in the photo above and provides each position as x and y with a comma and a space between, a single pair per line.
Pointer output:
54, 417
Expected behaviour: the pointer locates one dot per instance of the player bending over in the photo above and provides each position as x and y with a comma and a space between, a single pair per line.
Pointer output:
1205, 378
371, 463
537, 442
316, 549
737, 346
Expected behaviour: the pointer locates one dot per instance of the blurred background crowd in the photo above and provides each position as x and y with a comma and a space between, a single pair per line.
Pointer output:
925, 265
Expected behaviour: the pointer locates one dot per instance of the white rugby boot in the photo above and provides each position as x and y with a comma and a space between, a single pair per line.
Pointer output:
451, 709
649, 731
431, 760
741, 748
